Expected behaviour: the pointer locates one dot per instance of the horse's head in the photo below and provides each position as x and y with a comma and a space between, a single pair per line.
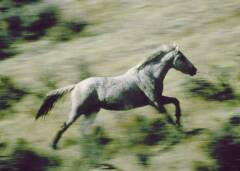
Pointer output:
181, 63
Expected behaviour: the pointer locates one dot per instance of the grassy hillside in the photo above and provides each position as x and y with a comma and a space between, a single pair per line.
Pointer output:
102, 38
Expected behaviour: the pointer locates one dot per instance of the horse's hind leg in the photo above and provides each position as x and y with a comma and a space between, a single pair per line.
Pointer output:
72, 118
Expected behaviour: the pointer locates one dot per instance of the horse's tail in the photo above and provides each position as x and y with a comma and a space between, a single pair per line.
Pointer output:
51, 99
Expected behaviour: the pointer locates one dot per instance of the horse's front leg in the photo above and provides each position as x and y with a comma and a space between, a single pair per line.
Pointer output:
166, 100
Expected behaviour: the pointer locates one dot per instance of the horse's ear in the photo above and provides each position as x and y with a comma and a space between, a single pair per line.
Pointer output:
176, 48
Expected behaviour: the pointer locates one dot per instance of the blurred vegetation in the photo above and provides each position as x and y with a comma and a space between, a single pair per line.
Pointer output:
9, 92
219, 90
30, 23
5, 4
25, 20
6, 49
201, 166
143, 158
95, 149
151, 132
65, 31
225, 146
23, 158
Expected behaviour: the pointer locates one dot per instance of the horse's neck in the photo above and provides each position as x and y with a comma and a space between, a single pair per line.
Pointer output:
160, 70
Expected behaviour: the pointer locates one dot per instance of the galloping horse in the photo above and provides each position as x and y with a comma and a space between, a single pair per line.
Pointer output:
139, 86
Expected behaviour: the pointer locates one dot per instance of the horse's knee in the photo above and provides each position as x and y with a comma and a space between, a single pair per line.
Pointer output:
176, 101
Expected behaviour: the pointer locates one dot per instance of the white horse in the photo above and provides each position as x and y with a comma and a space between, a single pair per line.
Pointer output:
139, 86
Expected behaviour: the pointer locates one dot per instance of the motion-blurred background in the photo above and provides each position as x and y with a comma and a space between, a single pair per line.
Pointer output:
46, 44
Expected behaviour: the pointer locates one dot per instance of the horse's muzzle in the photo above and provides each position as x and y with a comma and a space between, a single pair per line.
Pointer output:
194, 71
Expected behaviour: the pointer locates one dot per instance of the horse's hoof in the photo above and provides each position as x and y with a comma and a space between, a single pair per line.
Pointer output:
54, 147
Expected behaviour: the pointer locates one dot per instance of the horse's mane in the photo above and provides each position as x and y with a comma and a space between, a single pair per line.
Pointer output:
156, 55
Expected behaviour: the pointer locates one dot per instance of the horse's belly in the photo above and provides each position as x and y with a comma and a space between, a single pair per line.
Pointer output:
122, 106
124, 102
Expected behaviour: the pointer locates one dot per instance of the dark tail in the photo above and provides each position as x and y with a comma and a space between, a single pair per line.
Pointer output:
51, 99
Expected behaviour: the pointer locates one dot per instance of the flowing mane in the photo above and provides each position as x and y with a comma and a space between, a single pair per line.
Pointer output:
156, 55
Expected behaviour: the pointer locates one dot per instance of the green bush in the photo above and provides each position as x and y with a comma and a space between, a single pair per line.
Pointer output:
150, 132
225, 146
6, 4
46, 18
9, 92
67, 30
143, 159
24, 159
28, 22
4, 40
6, 49
93, 147
31, 22
200, 166
219, 90
23, 2
22, 20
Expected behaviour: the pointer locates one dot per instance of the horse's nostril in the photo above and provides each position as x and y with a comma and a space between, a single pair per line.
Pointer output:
194, 71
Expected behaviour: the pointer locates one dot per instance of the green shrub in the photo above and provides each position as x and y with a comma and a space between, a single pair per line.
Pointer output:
31, 22
22, 20
24, 159
6, 49
150, 132
9, 92
15, 27
23, 2
6, 4
67, 30
225, 146
219, 90
7, 52
47, 18
200, 166
28, 22
143, 159
5, 40
93, 147
36, 22
60, 33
